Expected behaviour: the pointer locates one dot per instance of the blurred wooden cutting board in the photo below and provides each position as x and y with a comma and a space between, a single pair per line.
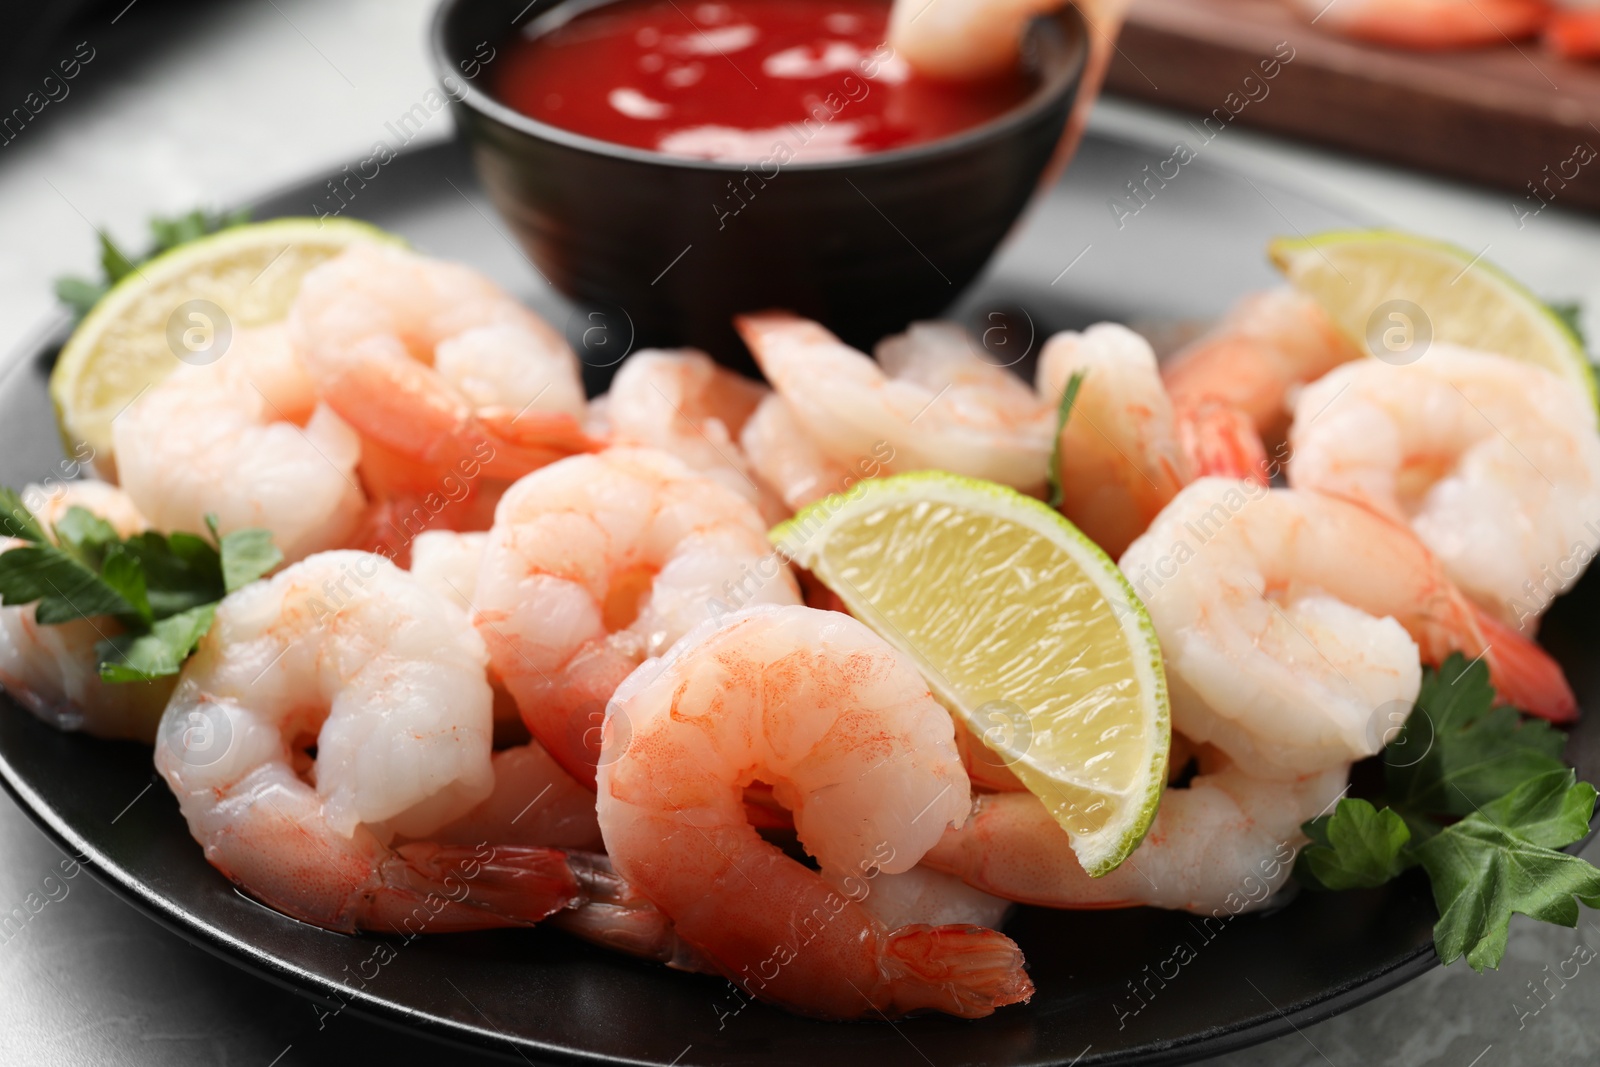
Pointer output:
1505, 116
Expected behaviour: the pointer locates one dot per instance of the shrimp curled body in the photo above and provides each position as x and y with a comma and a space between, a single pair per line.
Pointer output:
844, 729
386, 678
595, 563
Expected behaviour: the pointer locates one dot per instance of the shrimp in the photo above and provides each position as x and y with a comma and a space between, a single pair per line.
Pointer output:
1124, 451
1226, 842
1266, 345
534, 801
1574, 33
926, 897
934, 402
53, 670
597, 562
684, 404
1495, 463
437, 369
244, 439
844, 729
786, 461
1292, 623
347, 652
969, 40
1428, 25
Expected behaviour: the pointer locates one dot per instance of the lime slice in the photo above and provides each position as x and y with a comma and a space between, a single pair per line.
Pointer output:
184, 303
1023, 628
1362, 278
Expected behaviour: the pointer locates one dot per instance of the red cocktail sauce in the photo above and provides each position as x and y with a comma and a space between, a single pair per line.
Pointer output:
740, 80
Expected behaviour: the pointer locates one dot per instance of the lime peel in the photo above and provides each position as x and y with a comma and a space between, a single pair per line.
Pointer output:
1057, 634
1467, 300
252, 272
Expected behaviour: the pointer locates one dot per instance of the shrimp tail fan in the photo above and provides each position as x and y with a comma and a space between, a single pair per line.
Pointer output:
1524, 675
450, 888
967, 971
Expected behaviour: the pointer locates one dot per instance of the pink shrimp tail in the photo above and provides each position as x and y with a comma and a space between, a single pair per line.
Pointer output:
448, 888
1436, 25
1220, 439
520, 442
1525, 675
617, 916
1574, 34
966, 971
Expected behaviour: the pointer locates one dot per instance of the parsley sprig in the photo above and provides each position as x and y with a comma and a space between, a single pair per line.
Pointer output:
1069, 396
1477, 796
80, 294
162, 589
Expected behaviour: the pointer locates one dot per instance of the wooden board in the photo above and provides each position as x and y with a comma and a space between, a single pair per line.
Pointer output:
1512, 116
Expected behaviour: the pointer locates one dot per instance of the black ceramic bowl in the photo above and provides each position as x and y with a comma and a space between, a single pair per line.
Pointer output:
863, 245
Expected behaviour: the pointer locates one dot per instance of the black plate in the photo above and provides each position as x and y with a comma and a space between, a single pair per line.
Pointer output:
1188, 252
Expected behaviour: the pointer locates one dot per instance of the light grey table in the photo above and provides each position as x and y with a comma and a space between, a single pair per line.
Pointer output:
187, 103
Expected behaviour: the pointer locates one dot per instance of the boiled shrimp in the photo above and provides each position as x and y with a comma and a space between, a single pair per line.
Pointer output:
1428, 25
961, 40
683, 403
787, 462
930, 401
1226, 842
54, 670
1495, 463
844, 729
1266, 345
1294, 623
246, 440
597, 562
534, 801
345, 652
1124, 450
437, 369
923, 896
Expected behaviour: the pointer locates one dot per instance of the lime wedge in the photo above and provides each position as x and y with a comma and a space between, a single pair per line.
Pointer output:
178, 303
1362, 278
1023, 628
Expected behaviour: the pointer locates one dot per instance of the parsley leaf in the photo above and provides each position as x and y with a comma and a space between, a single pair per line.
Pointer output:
246, 554
64, 588
161, 650
16, 520
162, 589
1473, 751
1069, 396
1569, 312
1503, 860
81, 294
85, 536
1519, 805
1356, 847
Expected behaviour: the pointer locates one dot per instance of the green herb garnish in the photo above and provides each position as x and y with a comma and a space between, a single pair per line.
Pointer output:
1477, 796
162, 589
80, 294
1069, 396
